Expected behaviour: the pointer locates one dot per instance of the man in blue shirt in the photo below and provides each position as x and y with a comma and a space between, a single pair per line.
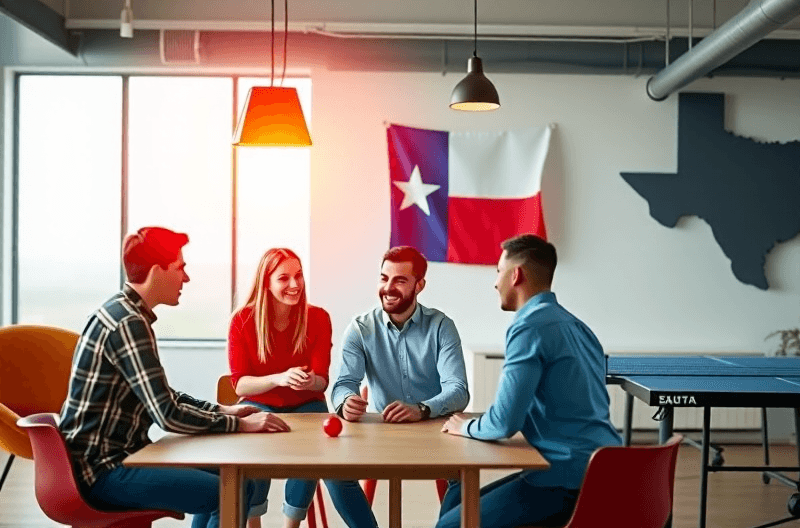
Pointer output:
552, 388
410, 354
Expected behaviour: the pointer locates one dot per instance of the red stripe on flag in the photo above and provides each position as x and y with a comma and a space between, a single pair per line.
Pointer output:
477, 226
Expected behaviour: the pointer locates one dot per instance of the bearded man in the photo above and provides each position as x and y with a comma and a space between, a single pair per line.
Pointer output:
411, 354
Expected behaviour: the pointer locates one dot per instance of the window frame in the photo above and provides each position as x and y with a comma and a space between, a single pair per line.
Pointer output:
9, 208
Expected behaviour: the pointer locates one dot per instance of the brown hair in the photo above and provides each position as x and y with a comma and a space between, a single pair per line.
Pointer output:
148, 247
419, 265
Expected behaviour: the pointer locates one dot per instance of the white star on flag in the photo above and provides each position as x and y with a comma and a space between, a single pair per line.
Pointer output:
416, 192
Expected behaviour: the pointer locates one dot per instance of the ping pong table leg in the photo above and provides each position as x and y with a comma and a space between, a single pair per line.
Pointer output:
704, 466
665, 425
626, 432
797, 436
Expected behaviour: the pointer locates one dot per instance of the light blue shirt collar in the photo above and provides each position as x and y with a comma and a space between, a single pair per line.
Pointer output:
415, 317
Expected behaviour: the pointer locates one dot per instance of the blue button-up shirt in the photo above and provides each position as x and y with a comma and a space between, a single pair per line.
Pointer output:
422, 362
552, 388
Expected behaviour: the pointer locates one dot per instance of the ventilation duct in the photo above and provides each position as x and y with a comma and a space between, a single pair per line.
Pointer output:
753, 23
179, 46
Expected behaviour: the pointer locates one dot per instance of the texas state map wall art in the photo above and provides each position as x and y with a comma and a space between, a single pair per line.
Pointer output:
747, 191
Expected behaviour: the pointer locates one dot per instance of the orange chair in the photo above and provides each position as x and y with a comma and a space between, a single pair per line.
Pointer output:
57, 490
226, 395
35, 363
370, 484
628, 487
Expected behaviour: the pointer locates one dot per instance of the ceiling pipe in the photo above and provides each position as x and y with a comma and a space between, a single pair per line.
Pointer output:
753, 23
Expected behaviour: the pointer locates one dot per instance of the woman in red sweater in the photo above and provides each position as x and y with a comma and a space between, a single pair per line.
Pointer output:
279, 351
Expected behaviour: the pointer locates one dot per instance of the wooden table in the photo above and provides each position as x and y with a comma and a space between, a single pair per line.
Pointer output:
369, 449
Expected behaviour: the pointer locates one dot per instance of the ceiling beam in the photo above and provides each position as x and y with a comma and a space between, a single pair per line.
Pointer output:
43, 21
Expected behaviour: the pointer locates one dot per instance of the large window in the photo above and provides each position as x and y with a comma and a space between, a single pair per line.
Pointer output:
74, 195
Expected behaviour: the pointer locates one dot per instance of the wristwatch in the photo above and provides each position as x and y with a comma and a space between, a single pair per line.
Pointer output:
425, 410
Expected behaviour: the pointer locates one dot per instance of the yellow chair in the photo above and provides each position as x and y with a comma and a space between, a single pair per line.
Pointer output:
35, 364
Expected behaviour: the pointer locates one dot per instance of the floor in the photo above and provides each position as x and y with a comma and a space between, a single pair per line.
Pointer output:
735, 499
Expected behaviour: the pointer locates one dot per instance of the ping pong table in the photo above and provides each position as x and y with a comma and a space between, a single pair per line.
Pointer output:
673, 381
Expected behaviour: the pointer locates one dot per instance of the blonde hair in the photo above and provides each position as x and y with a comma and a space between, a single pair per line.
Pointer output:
260, 298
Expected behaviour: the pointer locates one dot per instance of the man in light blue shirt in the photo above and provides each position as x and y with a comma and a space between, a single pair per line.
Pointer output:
410, 354
552, 388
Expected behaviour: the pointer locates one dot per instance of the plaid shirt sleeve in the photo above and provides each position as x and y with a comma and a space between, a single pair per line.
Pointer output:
132, 348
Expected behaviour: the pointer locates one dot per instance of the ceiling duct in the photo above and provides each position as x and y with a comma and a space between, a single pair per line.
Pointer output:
178, 46
753, 23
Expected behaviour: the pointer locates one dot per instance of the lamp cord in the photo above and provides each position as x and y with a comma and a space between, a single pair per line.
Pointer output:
475, 44
285, 36
272, 47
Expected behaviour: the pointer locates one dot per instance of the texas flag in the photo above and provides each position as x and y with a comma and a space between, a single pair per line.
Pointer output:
457, 195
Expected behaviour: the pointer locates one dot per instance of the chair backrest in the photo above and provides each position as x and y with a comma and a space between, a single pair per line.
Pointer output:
628, 487
35, 364
226, 395
56, 488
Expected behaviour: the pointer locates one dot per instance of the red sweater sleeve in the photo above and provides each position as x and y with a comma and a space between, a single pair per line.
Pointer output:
238, 348
320, 334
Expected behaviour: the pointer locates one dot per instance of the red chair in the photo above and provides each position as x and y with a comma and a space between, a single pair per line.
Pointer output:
57, 490
370, 485
628, 487
226, 395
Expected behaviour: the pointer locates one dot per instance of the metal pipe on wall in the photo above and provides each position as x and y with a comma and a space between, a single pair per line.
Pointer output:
753, 23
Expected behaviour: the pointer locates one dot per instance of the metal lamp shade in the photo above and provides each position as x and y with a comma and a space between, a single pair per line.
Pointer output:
475, 92
272, 118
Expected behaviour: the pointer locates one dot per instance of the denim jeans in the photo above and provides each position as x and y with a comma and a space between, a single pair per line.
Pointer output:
511, 502
346, 495
194, 491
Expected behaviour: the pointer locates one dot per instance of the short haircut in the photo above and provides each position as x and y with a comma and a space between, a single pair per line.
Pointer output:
536, 253
419, 265
148, 247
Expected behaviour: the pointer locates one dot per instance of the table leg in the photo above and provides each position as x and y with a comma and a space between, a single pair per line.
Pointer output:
230, 494
665, 425
665, 430
470, 498
395, 503
628, 419
704, 466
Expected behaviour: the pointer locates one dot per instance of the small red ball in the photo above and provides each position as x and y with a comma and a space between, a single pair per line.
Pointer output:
332, 426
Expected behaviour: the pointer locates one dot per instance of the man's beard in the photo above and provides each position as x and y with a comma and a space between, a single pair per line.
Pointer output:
401, 306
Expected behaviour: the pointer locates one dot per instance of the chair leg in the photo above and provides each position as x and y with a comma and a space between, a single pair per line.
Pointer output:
369, 489
441, 489
6, 470
321, 503
311, 518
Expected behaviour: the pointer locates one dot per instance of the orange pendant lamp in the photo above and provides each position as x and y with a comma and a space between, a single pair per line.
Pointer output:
272, 115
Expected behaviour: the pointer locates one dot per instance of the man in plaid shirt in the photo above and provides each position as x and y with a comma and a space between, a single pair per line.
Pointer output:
118, 389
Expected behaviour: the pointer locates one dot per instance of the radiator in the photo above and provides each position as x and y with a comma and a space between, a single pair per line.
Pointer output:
485, 367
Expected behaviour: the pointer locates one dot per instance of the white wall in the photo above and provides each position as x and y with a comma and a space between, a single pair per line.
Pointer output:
639, 285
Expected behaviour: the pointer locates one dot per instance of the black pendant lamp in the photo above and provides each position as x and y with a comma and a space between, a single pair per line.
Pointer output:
475, 93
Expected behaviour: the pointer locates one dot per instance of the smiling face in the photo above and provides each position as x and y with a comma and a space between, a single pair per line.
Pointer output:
286, 283
398, 288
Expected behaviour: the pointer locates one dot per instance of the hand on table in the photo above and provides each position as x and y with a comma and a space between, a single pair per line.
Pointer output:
262, 422
239, 410
453, 425
353, 408
398, 411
